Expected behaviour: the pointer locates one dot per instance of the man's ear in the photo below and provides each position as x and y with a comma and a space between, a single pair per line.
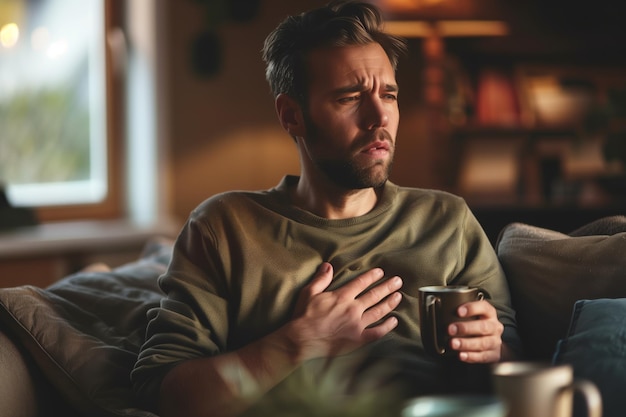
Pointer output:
290, 115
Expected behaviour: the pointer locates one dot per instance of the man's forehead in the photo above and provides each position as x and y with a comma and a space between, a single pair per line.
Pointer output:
340, 64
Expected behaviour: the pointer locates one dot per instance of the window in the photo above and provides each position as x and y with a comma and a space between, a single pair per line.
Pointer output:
56, 134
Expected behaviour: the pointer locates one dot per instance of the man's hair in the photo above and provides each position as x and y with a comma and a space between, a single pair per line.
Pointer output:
339, 23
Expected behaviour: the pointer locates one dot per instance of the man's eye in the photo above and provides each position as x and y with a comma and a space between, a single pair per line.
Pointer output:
390, 97
349, 99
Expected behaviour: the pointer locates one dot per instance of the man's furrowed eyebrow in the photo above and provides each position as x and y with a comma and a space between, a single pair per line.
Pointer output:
392, 87
354, 88
357, 88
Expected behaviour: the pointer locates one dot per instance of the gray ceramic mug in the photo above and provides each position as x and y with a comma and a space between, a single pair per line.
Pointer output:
532, 389
438, 306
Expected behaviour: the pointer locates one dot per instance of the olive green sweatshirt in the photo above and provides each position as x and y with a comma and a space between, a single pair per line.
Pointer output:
242, 257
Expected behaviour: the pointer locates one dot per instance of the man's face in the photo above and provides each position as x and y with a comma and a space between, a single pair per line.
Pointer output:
352, 116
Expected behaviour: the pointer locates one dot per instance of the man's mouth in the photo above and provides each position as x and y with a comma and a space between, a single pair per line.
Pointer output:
377, 146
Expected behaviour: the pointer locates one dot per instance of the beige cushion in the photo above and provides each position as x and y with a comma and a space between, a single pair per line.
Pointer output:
549, 271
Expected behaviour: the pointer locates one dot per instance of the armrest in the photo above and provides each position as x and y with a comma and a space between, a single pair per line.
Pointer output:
18, 391
24, 392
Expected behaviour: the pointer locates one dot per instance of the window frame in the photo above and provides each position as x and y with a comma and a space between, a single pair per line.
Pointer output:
111, 206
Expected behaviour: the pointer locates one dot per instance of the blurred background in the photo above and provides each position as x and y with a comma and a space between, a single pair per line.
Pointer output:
130, 113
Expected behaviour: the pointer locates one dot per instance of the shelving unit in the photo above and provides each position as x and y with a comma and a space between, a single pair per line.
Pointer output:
524, 138
506, 128
533, 167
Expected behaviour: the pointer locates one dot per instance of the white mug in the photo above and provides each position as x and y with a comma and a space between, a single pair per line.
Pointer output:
532, 389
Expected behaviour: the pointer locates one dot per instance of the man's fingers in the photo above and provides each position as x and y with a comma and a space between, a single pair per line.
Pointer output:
474, 328
382, 308
355, 287
480, 357
477, 308
476, 344
487, 322
379, 292
376, 332
341, 320
480, 340
478, 349
322, 279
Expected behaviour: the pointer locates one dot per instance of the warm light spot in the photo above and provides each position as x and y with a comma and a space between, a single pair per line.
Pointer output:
465, 28
9, 35
446, 28
407, 5
40, 38
409, 28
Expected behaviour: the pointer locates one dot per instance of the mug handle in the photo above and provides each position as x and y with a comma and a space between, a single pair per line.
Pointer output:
593, 399
432, 302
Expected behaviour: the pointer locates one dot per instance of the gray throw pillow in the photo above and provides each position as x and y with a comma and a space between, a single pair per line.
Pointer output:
548, 272
85, 331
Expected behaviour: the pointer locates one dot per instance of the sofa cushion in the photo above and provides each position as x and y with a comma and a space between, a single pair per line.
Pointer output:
549, 271
89, 324
595, 346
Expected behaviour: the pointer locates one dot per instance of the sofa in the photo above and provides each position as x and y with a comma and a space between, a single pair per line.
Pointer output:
67, 350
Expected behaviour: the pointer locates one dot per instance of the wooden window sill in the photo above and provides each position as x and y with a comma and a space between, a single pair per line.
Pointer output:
42, 254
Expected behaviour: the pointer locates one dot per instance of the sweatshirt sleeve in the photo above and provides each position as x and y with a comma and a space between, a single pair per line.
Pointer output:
481, 268
192, 319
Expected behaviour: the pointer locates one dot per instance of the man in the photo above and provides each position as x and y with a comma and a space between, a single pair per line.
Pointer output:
325, 265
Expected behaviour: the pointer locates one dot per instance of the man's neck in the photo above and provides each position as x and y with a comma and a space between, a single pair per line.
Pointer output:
332, 202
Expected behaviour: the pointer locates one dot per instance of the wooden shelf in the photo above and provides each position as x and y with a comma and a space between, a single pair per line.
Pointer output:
503, 132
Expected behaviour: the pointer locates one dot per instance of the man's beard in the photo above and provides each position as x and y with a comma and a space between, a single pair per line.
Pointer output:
346, 172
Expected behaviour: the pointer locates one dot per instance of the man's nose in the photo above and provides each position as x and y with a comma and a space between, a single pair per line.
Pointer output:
377, 114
